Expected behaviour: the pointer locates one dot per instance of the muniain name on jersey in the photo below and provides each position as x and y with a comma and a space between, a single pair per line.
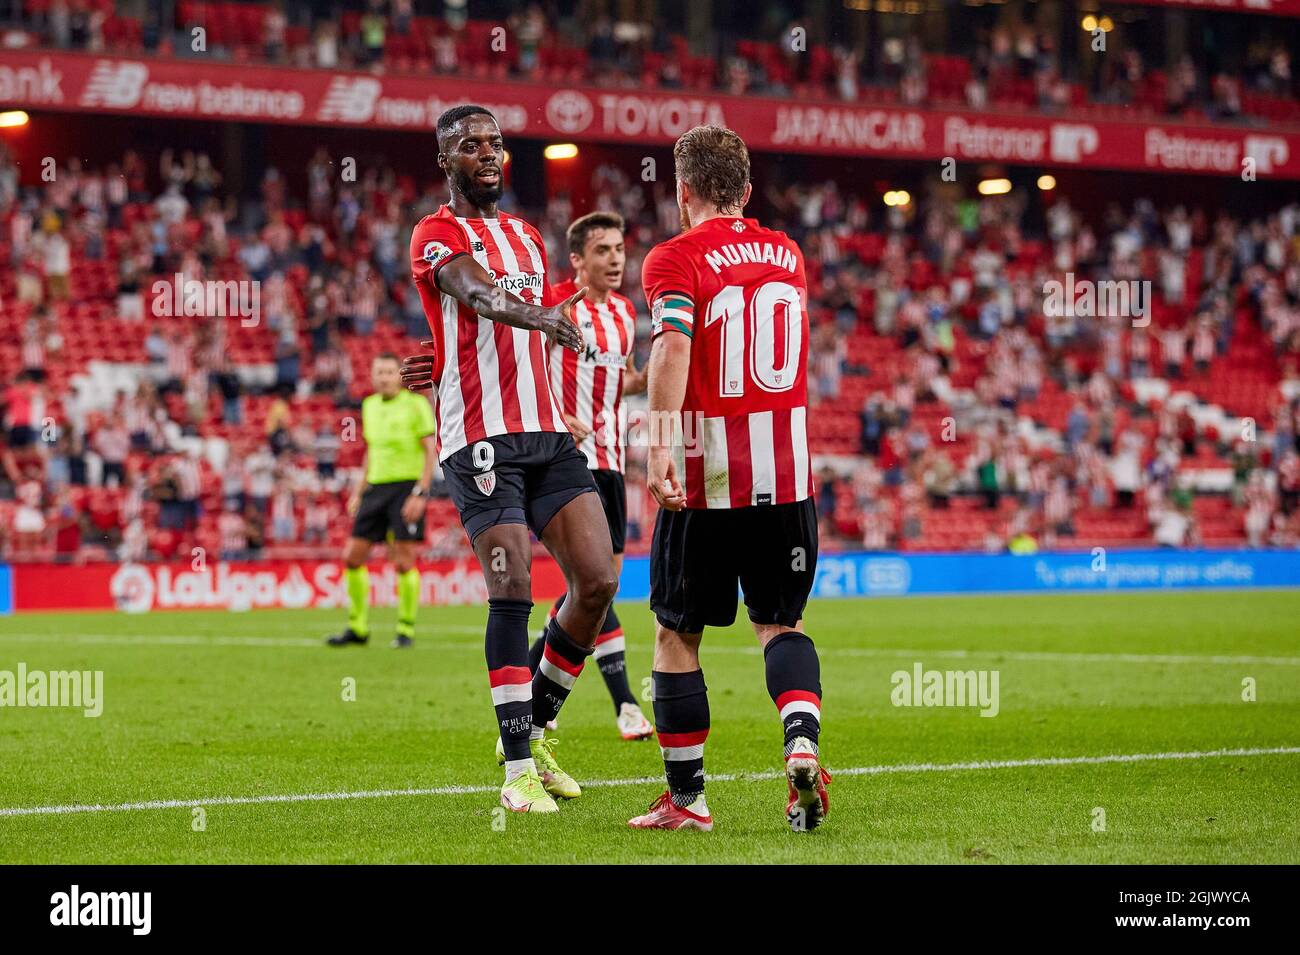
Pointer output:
740, 253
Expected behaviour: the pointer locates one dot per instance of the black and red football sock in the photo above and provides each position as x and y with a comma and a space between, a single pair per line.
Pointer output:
682, 724
506, 648
611, 656
794, 683
557, 672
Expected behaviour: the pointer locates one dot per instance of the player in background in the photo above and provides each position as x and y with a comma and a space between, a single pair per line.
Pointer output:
391, 499
589, 385
732, 475
510, 462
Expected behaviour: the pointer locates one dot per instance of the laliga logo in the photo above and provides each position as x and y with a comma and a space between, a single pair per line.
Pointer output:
1267, 150
115, 85
1070, 143
132, 588
569, 111
350, 99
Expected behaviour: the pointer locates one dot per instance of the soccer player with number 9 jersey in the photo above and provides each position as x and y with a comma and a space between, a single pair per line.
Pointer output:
732, 474
509, 460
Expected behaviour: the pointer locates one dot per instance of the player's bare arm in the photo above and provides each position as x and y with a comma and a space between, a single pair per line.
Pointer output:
354, 499
469, 283
667, 371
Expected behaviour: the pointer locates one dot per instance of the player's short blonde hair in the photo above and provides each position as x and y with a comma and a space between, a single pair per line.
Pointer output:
714, 162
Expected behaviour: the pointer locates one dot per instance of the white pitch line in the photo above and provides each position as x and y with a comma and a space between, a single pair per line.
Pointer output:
1055, 655
1045, 761
434, 643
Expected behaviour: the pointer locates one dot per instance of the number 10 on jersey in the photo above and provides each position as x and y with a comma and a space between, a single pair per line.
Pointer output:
772, 321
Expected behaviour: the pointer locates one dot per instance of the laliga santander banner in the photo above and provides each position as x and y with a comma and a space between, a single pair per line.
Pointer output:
190, 89
252, 585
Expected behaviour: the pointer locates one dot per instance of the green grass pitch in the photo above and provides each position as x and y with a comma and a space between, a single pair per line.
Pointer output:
205, 708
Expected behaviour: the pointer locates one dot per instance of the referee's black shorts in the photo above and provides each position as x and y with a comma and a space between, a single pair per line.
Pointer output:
698, 556
381, 512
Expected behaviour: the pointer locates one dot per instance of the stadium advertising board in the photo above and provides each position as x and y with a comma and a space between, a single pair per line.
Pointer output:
875, 575
217, 91
140, 588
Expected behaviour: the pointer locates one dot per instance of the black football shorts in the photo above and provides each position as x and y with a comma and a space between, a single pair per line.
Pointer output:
613, 495
380, 511
516, 479
698, 556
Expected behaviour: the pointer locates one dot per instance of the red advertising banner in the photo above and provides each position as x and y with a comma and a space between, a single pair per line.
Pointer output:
204, 90
1281, 8
254, 585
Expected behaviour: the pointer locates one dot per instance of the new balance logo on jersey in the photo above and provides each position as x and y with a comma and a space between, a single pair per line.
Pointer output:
487, 482
476, 246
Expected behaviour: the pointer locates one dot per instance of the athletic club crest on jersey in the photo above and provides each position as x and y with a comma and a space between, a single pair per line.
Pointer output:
487, 482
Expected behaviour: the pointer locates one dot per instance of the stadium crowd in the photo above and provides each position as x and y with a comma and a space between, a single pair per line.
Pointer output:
1007, 64
952, 407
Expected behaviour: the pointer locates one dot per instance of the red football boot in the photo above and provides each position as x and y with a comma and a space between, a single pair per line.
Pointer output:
809, 802
663, 814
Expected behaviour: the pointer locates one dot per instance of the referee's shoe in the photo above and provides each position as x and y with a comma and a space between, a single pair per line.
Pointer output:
351, 636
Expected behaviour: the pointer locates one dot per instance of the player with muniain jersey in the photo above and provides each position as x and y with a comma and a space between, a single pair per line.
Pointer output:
590, 384
733, 477
511, 464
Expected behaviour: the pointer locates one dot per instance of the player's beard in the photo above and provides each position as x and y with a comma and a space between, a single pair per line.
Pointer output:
477, 193
684, 218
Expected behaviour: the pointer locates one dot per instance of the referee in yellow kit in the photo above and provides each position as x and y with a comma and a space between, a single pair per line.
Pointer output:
391, 500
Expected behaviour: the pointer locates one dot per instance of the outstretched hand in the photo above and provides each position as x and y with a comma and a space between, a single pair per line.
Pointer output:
559, 327
417, 370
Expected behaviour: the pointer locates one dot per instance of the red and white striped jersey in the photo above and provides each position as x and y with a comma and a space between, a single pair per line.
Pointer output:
491, 378
739, 291
589, 384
